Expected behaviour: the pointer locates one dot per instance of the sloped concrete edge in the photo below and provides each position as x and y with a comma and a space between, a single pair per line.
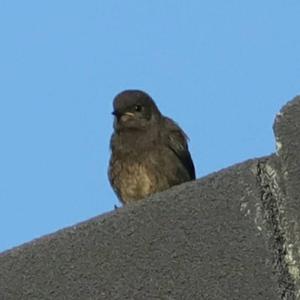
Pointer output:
287, 133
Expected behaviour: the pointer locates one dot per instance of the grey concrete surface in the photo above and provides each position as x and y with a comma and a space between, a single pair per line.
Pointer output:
287, 133
231, 235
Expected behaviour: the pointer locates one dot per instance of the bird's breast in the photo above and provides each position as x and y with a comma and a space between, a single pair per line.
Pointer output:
138, 171
132, 180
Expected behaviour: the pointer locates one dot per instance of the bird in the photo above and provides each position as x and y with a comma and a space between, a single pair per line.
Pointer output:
149, 151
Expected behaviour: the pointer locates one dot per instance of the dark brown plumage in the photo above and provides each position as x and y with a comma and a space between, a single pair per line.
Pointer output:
149, 152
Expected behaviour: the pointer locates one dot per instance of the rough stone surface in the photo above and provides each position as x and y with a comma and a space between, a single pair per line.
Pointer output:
287, 132
231, 235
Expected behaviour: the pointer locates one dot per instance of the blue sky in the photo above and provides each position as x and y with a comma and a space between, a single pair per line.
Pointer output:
221, 69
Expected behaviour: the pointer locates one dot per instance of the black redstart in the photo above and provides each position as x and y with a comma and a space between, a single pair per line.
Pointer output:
149, 152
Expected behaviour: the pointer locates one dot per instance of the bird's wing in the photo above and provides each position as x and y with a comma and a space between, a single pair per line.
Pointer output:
177, 142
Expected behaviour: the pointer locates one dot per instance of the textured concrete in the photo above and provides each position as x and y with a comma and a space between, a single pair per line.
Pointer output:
231, 235
287, 132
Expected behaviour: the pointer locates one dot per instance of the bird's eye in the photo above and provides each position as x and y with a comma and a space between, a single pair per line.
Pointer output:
138, 108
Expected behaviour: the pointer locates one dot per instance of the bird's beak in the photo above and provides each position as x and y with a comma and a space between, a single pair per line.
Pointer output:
124, 116
129, 114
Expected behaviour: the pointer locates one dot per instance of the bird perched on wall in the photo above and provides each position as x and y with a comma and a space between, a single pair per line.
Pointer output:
149, 152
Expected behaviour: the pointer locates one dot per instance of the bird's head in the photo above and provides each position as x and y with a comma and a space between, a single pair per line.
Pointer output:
134, 109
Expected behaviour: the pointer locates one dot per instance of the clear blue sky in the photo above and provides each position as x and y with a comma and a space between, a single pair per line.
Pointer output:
221, 69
